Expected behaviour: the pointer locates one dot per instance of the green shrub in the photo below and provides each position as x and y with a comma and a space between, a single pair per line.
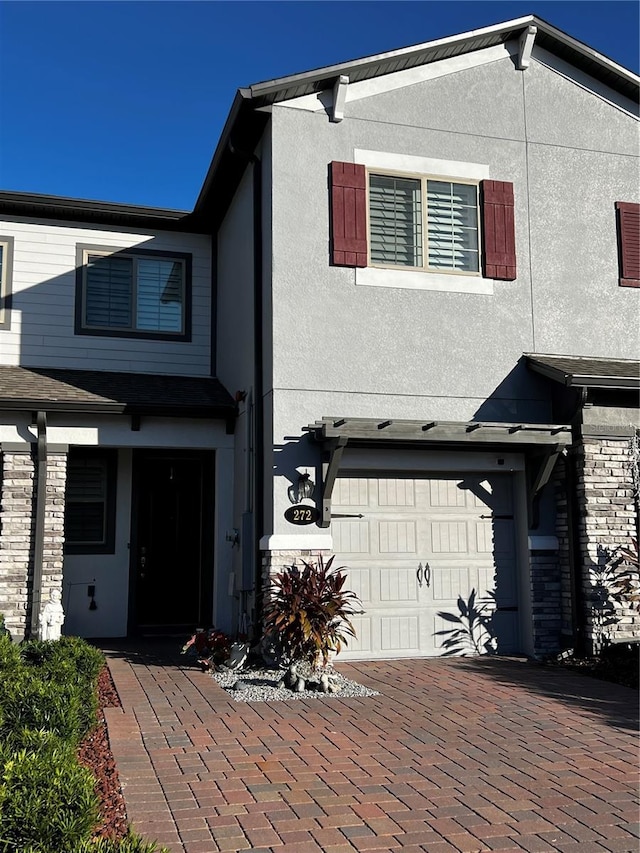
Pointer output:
131, 843
87, 660
74, 665
37, 652
47, 800
29, 702
9, 656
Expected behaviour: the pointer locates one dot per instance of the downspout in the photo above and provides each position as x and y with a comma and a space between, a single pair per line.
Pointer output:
578, 603
258, 367
41, 501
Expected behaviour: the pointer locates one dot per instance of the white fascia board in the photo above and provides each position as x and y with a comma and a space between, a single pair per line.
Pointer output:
584, 81
409, 77
267, 87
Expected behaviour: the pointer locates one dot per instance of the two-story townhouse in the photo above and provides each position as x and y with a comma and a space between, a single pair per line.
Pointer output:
423, 285
436, 249
117, 439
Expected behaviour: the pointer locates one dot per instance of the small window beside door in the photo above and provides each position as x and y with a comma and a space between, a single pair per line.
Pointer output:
89, 521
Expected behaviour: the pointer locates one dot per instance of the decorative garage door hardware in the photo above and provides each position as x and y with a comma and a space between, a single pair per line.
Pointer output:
497, 516
424, 573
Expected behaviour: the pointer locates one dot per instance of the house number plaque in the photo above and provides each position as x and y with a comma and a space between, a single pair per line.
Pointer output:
301, 514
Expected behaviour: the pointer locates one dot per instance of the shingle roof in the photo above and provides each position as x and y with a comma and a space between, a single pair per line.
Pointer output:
587, 371
57, 389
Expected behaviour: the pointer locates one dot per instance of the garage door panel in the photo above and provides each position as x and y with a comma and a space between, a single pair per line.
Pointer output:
456, 636
351, 537
360, 645
444, 493
503, 538
359, 581
397, 537
446, 537
505, 625
352, 492
399, 634
452, 582
449, 523
398, 585
396, 492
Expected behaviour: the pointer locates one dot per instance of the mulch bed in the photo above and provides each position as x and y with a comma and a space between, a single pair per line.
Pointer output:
619, 664
95, 754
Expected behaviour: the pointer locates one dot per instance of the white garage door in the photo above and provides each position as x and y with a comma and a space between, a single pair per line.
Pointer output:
432, 561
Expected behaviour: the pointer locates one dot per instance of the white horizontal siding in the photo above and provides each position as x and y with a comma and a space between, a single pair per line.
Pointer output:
43, 302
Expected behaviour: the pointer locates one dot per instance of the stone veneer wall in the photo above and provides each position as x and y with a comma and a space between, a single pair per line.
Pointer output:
275, 561
546, 601
608, 519
17, 526
564, 556
53, 556
17, 534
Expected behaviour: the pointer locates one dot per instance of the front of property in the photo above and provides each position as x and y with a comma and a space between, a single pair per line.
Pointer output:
411, 312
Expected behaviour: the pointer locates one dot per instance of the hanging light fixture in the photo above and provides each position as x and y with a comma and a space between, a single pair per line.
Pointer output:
302, 489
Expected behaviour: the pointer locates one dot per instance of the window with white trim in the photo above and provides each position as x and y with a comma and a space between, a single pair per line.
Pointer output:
133, 293
423, 223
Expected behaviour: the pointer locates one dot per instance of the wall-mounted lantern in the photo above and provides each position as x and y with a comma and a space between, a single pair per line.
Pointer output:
302, 489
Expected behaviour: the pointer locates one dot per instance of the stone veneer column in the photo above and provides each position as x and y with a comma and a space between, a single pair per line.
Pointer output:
53, 556
546, 601
17, 534
274, 561
564, 548
608, 519
17, 525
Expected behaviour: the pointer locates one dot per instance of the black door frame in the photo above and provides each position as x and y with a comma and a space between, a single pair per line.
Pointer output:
207, 567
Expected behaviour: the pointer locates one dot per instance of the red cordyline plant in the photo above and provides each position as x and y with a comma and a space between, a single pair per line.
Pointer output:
308, 610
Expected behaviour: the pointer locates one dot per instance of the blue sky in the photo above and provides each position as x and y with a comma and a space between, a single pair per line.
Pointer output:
124, 101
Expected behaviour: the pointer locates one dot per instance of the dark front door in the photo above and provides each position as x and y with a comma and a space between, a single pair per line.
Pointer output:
171, 541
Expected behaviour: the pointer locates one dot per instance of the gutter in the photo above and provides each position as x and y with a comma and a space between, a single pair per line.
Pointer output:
40, 508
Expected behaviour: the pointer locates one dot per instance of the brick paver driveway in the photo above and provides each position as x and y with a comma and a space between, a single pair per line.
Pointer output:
456, 755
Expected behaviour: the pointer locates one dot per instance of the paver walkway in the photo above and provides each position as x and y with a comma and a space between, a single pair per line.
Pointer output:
453, 755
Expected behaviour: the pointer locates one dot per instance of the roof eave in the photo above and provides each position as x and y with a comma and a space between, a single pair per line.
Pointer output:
213, 412
42, 206
613, 383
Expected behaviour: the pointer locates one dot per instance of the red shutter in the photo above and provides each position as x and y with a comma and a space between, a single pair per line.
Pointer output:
498, 231
348, 215
629, 243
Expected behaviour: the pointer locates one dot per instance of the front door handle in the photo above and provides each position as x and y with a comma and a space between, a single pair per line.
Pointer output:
419, 574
